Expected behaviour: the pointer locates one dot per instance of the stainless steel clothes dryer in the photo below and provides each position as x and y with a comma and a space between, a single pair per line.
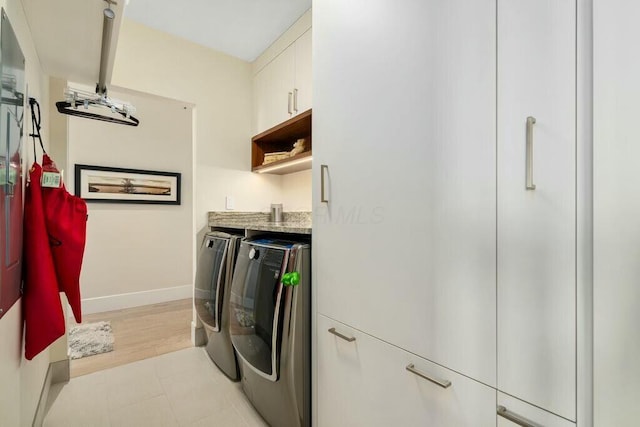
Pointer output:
213, 285
270, 327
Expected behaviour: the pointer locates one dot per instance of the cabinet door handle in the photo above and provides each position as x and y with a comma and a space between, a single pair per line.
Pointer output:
442, 383
514, 418
344, 337
295, 101
530, 122
323, 194
289, 97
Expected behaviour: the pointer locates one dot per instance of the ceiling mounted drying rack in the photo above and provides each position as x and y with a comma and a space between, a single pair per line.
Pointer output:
92, 105
83, 104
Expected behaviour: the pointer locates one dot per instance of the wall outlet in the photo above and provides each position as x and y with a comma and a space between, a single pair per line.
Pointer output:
229, 203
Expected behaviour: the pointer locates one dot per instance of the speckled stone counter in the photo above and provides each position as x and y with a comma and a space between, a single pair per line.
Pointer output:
293, 222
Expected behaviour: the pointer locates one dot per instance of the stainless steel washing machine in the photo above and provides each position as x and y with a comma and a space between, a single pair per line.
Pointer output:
212, 289
270, 327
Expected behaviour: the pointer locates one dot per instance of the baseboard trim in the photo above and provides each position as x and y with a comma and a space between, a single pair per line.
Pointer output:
57, 372
41, 409
134, 299
60, 371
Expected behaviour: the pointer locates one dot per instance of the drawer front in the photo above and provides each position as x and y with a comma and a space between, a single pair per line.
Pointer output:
518, 413
363, 381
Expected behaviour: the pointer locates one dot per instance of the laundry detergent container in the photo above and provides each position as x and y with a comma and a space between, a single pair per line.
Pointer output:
212, 289
270, 327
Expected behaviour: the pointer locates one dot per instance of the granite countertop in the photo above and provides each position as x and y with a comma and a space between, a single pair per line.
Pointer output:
293, 222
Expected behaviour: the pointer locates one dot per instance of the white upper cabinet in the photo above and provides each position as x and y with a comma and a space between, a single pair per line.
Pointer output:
404, 119
537, 227
304, 74
273, 91
282, 89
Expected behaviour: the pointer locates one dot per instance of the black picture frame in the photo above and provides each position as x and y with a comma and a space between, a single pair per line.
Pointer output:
105, 184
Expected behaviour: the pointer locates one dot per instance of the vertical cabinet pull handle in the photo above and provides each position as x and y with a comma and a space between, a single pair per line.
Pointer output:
295, 101
514, 418
344, 337
289, 97
442, 383
323, 194
530, 122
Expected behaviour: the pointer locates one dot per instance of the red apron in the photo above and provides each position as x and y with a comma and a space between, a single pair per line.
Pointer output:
66, 221
42, 309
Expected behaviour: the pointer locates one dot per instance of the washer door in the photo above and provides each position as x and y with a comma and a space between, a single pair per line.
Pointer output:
210, 280
255, 307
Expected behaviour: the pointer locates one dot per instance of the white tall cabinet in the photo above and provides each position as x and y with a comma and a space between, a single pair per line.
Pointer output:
405, 248
409, 230
616, 213
445, 290
537, 226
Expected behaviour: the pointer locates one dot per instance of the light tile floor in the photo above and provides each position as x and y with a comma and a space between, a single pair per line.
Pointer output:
183, 388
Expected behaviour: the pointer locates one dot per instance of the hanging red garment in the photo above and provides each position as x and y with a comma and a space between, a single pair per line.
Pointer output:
42, 309
66, 220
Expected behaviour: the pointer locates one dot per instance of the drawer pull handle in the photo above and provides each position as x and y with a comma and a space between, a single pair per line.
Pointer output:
529, 148
344, 337
442, 383
323, 195
514, 418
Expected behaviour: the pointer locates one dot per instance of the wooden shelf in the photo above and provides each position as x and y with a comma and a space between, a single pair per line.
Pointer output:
281, 138
297, 163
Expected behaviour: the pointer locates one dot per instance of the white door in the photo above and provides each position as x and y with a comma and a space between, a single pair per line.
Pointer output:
404, 118
273, 91
304, 73
365, 382
536, 227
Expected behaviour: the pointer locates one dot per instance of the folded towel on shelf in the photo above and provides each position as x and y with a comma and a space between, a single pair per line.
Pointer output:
298, 147
274, 157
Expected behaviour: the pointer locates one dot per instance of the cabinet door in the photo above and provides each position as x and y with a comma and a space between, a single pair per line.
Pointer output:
536, 228
366, 383
272, 87
404, 117
304, 72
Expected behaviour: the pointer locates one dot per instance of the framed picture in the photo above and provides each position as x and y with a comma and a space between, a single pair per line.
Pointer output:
118, 185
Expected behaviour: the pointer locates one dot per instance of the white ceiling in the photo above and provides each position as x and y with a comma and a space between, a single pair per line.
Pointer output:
241, 28
68, 33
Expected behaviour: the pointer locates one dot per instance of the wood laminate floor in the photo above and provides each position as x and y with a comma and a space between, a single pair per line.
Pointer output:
140, 333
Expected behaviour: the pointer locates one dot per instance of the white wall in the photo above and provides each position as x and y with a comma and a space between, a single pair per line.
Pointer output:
616, 213
296, 191
220, 87
21, 380
58, 127
133, 248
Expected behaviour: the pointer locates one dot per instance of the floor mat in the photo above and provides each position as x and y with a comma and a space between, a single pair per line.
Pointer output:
89, 339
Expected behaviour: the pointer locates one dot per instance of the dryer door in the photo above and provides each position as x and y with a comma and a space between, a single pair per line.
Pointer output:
210, 280
255, 307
